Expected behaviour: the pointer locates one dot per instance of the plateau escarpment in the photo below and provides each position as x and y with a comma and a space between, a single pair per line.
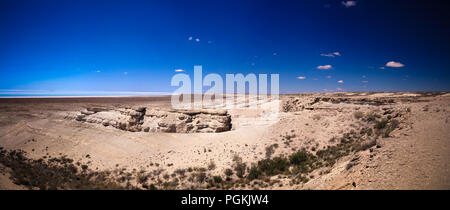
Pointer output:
136, 119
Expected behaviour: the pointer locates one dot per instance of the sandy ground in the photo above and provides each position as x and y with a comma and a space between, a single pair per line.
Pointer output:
415, 156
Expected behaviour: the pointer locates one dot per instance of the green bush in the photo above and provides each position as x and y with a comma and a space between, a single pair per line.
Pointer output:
228, 172
273, 166
371, 116
217, 179
152, 187
270, 150
391, 127
299, 158
381, 124
200, 177
141, 177
240, 169
253, 173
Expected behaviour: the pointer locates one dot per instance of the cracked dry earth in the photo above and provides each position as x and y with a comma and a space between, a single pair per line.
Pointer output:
116, 135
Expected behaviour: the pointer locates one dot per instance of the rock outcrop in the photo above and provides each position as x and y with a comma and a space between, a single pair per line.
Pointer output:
138, 119
295, 104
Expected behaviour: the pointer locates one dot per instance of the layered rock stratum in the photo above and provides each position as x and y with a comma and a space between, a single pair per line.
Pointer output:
143, 119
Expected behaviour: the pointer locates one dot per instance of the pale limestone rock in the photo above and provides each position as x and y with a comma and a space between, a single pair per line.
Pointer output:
138, 119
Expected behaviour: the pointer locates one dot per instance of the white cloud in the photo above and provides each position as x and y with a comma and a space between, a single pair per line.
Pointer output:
328, 77
324, 67
340, 81
98, 71
179, 70
394, 64
196, 39
349, 3
339, 89
331, 55
327, 55
301, 77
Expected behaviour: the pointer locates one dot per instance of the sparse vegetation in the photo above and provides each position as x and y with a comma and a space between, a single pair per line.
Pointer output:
141, 177
228, 172
365, 131
166, 176
211, 165
180, 172
302, 162
393, 124
371, 117
273, 166
253, 173
358, 115
381, 124
217, 179
270, 150
55, 173
200, 177
239, 166
385, 126
240, 169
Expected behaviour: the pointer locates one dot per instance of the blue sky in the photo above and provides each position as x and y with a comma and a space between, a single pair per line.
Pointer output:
136, 46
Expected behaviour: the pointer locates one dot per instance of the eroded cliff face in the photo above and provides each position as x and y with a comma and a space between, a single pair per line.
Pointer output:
295, 104
144, 119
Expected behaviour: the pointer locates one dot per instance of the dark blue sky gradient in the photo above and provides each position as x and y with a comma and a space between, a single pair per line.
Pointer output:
61, 45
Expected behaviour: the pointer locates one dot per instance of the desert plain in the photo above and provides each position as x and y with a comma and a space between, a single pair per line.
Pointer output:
332, 141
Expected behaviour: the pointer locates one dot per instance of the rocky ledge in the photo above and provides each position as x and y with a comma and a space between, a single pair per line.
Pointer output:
142, 119
295, 104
